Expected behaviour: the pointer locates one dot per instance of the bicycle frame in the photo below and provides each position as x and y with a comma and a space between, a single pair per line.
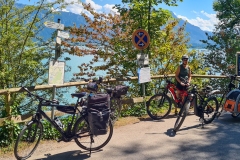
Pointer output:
66, 135
170, 87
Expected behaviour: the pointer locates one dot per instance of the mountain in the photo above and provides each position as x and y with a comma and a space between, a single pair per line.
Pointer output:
195, 33
69, 19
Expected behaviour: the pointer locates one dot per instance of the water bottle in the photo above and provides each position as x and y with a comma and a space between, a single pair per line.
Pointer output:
59, 123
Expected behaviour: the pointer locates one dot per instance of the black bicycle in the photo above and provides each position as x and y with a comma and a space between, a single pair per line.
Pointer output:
205, 106
78, 129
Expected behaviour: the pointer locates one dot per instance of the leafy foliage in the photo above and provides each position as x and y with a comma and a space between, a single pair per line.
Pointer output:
24, 57
8, 133
224, 43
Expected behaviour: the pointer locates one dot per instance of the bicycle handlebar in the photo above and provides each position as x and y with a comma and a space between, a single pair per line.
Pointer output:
30, 94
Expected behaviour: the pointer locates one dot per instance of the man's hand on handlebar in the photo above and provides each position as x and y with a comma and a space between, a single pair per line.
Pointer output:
185, 84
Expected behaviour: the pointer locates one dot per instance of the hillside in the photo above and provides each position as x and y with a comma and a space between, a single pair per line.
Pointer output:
69, 19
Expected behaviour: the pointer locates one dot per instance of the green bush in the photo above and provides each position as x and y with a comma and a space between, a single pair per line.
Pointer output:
136, 110
8, 133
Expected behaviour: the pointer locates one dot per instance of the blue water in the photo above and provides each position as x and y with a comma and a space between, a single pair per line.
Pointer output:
74, 63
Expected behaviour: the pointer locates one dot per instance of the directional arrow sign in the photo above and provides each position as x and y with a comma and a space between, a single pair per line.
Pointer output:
63, 34
58, 40
142, 59
54, 25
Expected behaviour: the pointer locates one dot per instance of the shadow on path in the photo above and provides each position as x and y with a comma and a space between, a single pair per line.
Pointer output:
71, 155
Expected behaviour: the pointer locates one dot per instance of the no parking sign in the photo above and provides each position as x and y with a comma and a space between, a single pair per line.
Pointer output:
140, 39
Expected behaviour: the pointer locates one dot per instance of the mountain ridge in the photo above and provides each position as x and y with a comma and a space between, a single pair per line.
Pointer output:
69, 19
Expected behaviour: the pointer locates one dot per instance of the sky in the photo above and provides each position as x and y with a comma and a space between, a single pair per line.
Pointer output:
197, 12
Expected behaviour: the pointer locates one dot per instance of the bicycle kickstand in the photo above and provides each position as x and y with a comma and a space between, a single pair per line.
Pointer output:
90, 147
202, 122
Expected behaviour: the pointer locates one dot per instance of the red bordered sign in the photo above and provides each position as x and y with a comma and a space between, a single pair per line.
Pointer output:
140, 39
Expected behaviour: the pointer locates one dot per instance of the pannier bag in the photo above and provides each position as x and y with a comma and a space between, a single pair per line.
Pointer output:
98, 113
98, 101
120, 90
232, 101
92, 86
98, 120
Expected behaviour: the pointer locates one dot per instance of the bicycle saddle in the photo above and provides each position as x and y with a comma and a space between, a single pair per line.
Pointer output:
79, 95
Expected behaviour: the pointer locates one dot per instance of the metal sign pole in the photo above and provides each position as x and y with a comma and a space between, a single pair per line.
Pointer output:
141, 40
53, 97
57, 54
143, 84
58, 45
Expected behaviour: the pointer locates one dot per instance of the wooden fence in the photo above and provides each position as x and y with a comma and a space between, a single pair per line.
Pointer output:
23, 118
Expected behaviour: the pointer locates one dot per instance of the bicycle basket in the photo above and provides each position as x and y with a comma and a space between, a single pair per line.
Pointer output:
120, 90
92, 86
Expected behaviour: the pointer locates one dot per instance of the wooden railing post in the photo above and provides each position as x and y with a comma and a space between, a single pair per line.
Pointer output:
7, 103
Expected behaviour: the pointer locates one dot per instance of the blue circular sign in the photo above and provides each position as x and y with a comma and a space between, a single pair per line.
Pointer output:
140, 39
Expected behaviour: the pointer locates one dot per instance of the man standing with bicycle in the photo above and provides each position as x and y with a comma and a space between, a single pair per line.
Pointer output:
183, 71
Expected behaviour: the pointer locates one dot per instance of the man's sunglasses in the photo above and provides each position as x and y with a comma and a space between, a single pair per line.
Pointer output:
184, 59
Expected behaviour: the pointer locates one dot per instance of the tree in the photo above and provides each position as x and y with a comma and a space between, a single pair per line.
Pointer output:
108, 38
22, 50
224, 43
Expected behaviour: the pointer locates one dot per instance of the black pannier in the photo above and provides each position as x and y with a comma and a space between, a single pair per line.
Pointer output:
98, 120
98, 113
98, 101
120, 90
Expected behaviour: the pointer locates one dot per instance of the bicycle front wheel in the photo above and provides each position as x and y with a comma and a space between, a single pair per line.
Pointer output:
28, 140
210, 110
159, 106
181, 116
88, 141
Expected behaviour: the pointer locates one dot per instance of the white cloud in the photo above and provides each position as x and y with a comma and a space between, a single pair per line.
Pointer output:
108, 8
94, 5
204, 20
77, 8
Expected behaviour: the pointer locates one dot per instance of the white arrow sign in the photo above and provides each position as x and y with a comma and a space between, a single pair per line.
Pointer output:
58, 40
54, 25
63, 34
142, 59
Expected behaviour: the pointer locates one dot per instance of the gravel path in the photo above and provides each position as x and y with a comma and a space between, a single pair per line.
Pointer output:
154, 140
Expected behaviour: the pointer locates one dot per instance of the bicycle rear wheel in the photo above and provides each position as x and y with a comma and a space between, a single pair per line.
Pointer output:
28, 140
210, 110
159, 106
181, 116
88, 141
